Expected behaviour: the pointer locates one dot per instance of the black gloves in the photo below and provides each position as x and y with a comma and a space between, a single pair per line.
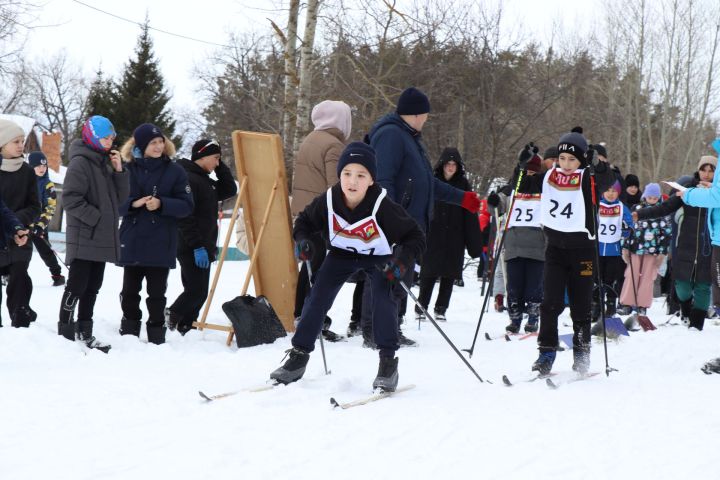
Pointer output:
526, 154
493, 199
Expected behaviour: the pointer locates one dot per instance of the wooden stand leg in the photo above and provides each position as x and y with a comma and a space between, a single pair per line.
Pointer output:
201, 324
258, 242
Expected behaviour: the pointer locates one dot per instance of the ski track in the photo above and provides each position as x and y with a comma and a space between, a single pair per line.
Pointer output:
68, 413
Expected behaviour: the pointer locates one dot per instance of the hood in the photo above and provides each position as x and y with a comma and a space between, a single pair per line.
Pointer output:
126, 152
392, 119
460, 172
332, 114
78, 148
191, 166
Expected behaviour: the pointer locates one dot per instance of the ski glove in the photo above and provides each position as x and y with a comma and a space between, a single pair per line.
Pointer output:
201, 258
471, 202
38, 231
592, 157
304, 250
526, 154
394, 270
493, 199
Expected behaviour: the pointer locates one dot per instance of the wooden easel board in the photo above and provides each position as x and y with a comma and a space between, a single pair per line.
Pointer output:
259, 157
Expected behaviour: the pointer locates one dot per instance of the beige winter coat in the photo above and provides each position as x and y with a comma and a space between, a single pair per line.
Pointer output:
316, 166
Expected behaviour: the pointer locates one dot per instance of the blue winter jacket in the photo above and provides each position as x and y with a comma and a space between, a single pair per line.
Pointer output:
615, 249
149, 239
404, 170
707, 198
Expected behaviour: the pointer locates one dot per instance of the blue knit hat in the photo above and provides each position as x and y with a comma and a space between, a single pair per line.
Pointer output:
95, 128
35, 159
144, 134
652, 190
361, 153
413, 102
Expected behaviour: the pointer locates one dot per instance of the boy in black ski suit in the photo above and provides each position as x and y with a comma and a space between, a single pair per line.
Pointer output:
569, 223
360, 225
48, 202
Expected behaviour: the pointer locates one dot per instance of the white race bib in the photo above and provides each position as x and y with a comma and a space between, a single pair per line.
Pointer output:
364, 236
562, 204
525, 210
610, 222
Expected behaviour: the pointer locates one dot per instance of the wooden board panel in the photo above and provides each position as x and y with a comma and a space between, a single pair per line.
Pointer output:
259, 157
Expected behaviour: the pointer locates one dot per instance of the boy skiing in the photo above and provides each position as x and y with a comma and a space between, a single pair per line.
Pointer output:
48, 201
568, 217
360, 225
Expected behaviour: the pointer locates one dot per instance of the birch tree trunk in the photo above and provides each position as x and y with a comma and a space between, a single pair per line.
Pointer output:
291, 78
303, 95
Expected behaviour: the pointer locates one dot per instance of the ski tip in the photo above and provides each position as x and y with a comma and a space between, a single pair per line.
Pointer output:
550, 383
334, 402
507, 338
487, 336
506, 381
203, 396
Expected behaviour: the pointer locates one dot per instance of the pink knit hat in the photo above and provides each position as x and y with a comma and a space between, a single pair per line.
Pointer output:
332, 114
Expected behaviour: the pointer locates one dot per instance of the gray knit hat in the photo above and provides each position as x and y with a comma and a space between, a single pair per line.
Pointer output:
707, 160
8, 131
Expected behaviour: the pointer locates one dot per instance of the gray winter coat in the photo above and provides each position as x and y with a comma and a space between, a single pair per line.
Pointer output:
525, 242
91, 194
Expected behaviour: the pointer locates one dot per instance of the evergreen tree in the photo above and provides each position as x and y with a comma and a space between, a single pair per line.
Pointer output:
100, 97
141, 97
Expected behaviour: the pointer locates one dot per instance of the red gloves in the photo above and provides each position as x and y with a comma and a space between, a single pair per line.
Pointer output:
471, 202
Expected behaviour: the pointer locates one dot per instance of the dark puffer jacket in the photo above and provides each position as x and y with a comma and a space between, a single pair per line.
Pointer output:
150, 239
91, 195
691, 258
199, 229
19, 192
452, 229
404, 170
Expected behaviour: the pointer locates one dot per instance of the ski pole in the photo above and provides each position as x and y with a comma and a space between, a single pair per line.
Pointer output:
432, 320
496, 259
601, 285
322, 343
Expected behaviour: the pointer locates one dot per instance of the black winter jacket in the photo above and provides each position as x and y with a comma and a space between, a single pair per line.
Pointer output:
199, 229
19, 192
399, 228
452, 229
692, 258
149, 239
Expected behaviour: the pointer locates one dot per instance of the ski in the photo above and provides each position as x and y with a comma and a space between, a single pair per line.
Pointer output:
580, 377
506, 381
218, 396
373, 398
506, 336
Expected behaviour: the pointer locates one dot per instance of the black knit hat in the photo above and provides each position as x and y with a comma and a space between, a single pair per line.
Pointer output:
575, 144
601, 150
551, 152
413, 102
205, 148
144, 134
450, 154
35, 159
632, 181
358, 152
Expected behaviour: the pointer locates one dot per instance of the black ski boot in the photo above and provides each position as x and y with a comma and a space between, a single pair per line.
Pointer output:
581, 358
294, 368
697, 318
171, 319
513, 326
328, 334
22, 317
713, 366
685, 312
387, 376
84, 335
354, 328
515, 312
156, 332
130, 326
440, 314
533, 311
404, 341
543, 365
531, 326
58, 280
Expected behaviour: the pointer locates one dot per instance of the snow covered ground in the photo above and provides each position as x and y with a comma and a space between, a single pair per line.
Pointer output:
135, 413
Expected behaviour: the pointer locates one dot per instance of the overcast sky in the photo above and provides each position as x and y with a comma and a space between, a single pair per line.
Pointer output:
92, 38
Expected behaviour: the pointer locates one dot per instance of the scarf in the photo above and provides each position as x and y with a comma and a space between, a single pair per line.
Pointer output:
11, 164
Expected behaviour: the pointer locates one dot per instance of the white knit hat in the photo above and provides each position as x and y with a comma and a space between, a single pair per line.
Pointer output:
8, 131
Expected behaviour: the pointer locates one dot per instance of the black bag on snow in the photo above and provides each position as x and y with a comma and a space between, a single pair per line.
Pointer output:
254, 320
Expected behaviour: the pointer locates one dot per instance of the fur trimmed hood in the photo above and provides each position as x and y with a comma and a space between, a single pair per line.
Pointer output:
127, 148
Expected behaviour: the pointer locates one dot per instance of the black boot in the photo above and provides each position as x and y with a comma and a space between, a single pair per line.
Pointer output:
697, 318
353, 328
22, 317
685, 311
581, 358
387, 376
156, 333
130, 326
84, 334
294, 368
66, 324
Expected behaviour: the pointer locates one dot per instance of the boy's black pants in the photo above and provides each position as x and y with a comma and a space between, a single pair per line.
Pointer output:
196, 282
156, 280
42, 245
570, 268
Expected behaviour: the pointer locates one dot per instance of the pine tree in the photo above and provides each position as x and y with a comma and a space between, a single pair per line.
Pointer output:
100, 97
140, 96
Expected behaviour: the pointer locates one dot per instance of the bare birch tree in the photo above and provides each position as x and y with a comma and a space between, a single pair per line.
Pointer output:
306, 72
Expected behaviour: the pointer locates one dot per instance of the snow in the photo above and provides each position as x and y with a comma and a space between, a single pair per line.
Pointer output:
67, 413
58, 178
